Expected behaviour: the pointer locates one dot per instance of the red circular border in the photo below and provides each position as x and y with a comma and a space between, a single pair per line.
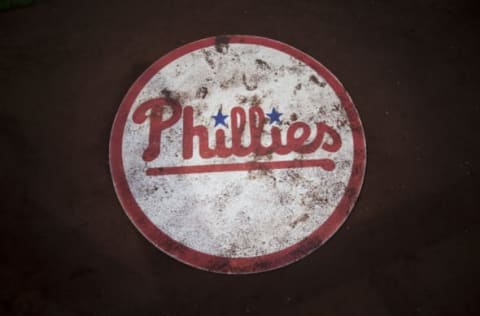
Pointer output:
224, 264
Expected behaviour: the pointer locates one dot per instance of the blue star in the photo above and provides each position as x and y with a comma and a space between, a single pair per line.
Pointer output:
274, 116
220, 119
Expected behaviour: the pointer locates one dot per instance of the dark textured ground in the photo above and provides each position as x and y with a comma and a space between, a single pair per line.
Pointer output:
411, 246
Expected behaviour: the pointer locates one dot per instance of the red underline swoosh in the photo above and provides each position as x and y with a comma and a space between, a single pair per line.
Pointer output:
326, 164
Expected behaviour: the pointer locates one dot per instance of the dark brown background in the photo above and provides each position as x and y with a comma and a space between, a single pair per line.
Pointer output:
410, 246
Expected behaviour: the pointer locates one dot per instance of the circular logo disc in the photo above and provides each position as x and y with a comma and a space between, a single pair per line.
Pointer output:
237, 154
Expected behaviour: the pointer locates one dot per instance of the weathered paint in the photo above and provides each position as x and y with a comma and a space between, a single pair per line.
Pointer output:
268, 201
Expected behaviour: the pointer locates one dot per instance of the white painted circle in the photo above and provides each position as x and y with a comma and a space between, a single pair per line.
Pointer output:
240, 213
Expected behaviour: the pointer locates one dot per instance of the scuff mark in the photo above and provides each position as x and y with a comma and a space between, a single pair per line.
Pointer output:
249, 87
